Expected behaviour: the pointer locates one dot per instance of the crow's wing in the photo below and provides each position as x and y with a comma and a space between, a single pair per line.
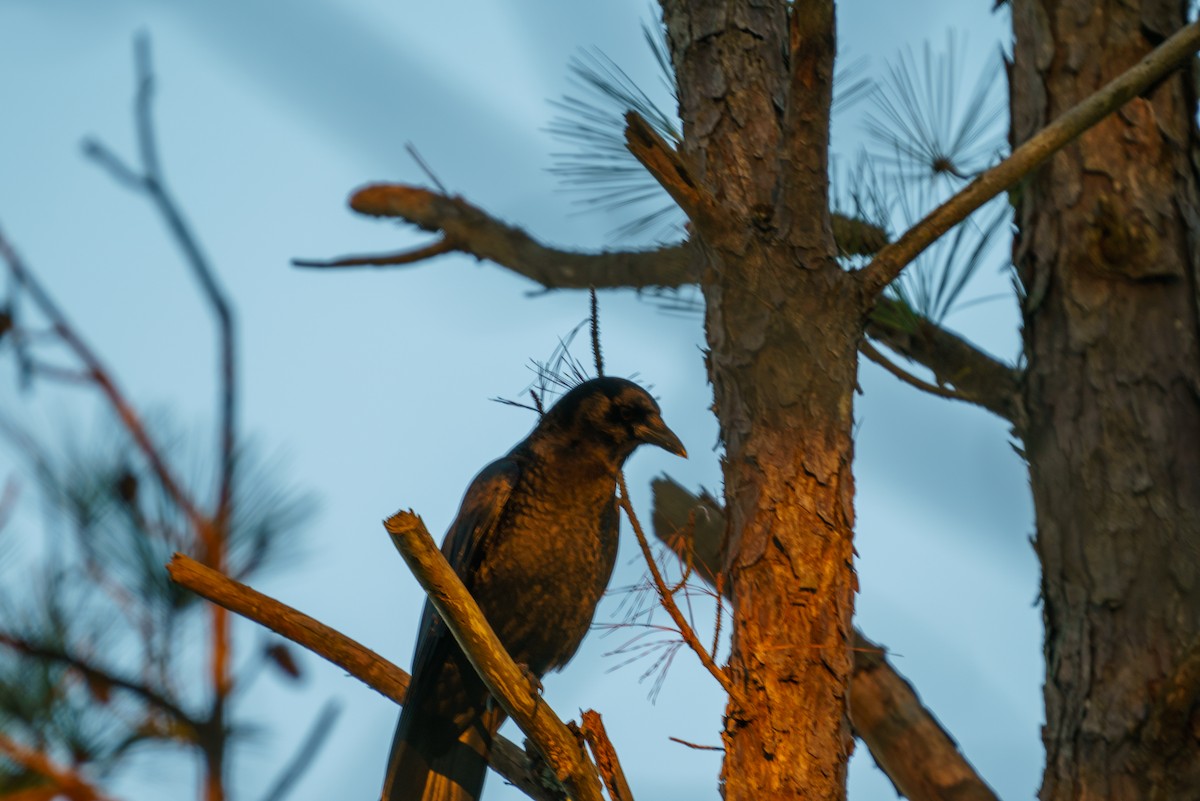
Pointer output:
480, 512
440, 750
481, 509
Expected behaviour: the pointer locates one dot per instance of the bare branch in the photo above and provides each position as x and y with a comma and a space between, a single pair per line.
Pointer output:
907, 741
383, 259
151, 182
977, 377
505, 681
668, 599
473, 231
1160, 62
605, 756
904, 737
874, 355
103, 381
66, 779
506, 758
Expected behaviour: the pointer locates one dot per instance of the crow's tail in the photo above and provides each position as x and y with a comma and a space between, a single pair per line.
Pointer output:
426, 767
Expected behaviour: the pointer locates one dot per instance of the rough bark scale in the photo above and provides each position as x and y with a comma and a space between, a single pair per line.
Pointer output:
783, 322
1108, 254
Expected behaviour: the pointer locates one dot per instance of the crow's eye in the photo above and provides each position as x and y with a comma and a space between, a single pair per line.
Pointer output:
630, 414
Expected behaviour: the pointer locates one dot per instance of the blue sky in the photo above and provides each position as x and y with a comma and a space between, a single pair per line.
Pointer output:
372, 387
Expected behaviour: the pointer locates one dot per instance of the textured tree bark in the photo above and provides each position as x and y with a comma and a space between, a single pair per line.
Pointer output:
1107, 252
783, 323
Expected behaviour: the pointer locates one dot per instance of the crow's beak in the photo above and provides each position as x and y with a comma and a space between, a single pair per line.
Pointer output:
655, 432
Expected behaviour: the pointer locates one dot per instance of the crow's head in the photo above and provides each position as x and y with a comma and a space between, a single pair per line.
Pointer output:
613, 415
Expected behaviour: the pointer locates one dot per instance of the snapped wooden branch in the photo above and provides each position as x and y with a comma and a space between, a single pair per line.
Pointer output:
504, 679
1160, 62
605, 756
506, 758
468, 229
904, 737
668, 168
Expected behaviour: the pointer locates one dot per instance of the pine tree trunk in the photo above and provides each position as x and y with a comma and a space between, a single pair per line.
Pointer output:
1107, 252
783, 325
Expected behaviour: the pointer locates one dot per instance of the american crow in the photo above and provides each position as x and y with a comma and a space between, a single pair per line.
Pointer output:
534, 541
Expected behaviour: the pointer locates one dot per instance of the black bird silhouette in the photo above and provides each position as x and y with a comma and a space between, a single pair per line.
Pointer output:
534, 541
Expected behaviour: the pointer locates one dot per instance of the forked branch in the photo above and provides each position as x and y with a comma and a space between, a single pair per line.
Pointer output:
506, 758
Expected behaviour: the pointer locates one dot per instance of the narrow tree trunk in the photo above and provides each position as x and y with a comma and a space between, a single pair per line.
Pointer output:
783, 324
1107, 253
783, 361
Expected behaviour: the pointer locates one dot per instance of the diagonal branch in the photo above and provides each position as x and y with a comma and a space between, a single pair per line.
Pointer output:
506, 758
66, 779
469, 229
1160, 62
904, 737
151, 182
103, 380
976, 377
667, 598
506, 682
320, 731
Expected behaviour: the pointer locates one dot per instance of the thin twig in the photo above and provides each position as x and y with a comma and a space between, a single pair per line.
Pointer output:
595, 319
321, 729
1161, 61
104, 382
425, 168
874, 355
437, 248
151, 182
665, 597
696, 746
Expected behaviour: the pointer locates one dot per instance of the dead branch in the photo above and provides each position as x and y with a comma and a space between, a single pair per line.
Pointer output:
904, 737
506, 682
103, 380
1160, 62
382, 259
506, 758
471, 230
872, 353
668, 167
667, 599
605, 756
